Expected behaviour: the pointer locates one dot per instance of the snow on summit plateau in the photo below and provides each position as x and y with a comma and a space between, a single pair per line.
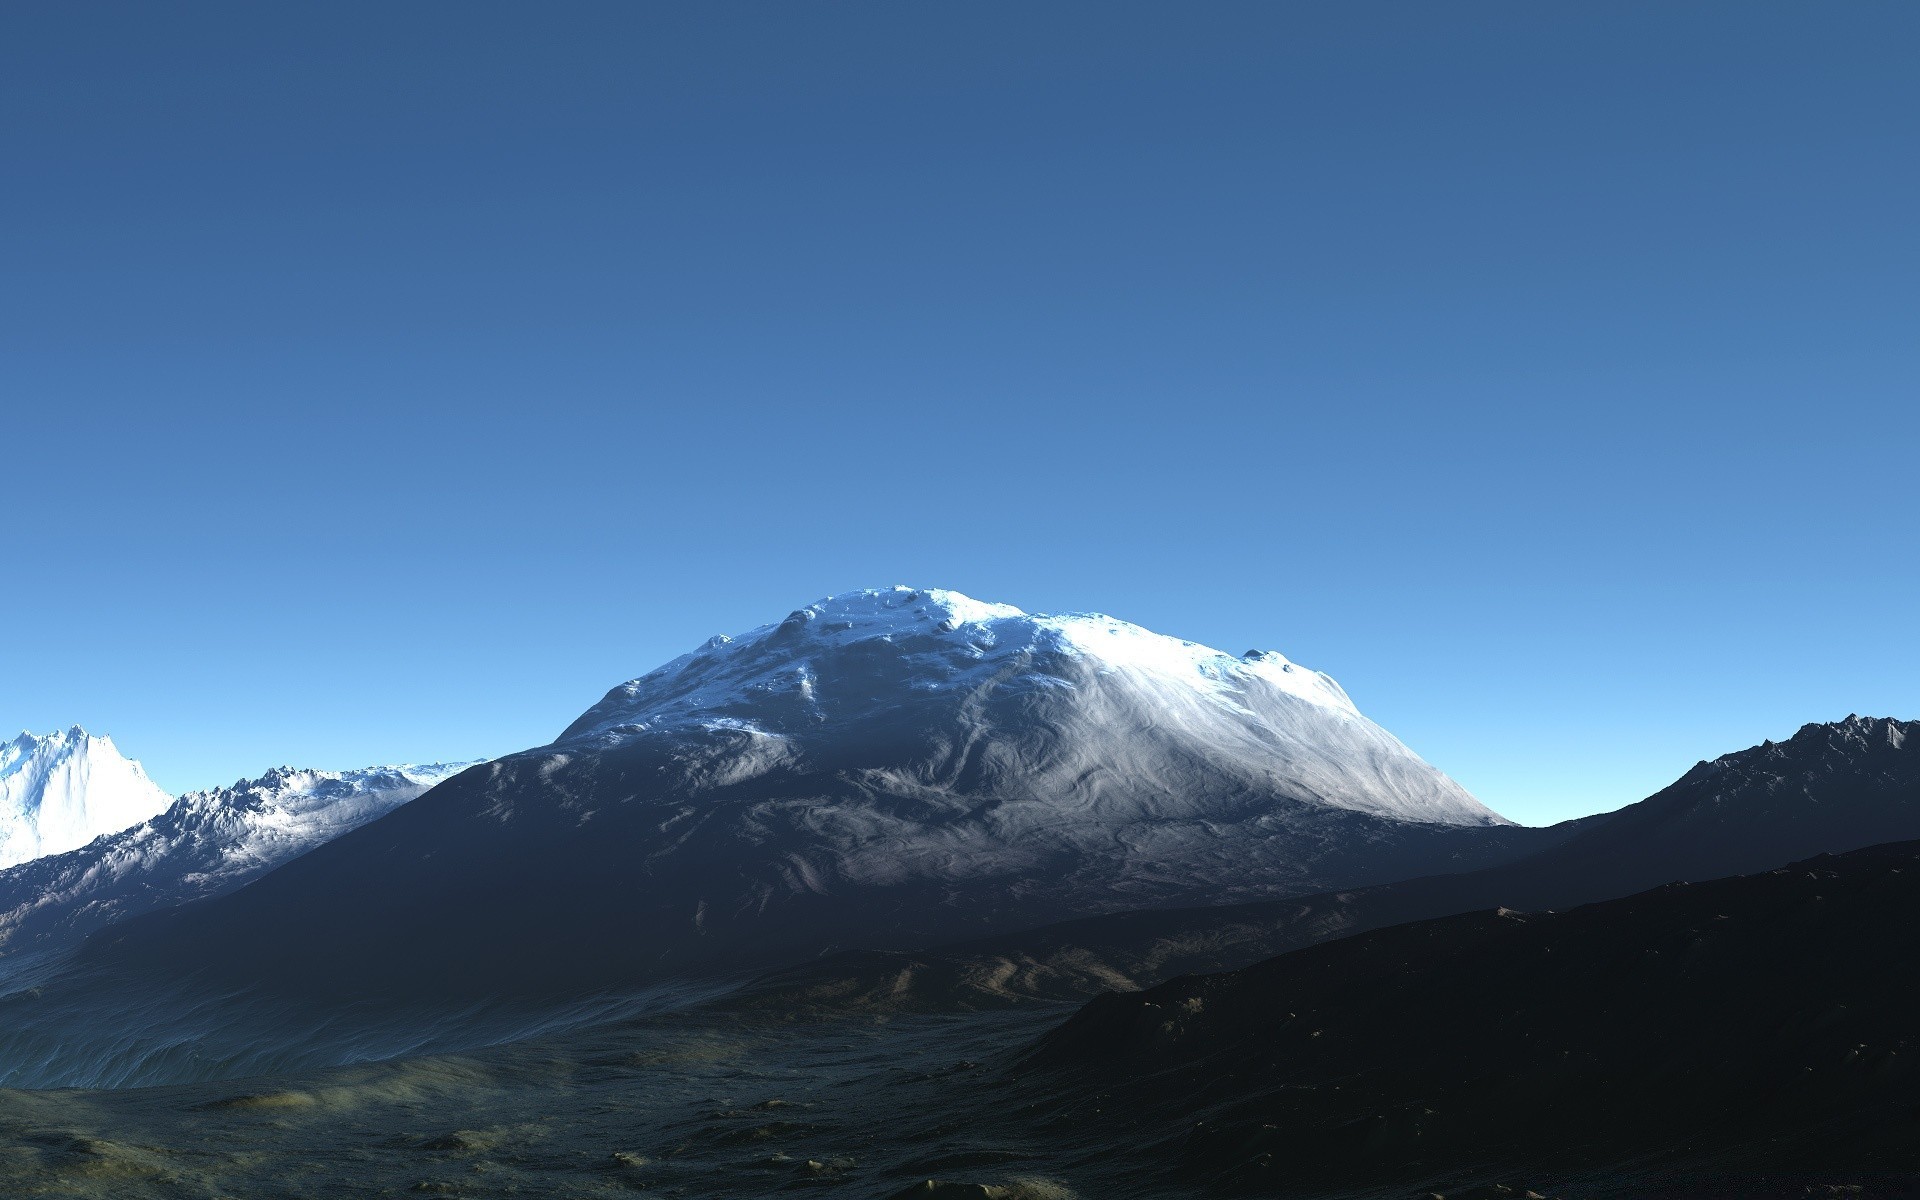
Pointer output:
944, 641
832, 678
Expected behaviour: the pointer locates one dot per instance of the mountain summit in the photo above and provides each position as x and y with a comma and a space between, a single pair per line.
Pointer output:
60, 791
932, 691
884, 769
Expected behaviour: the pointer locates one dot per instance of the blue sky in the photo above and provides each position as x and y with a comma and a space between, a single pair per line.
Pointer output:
387, 381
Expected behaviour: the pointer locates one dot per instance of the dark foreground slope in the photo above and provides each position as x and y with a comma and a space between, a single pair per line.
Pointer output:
1651, 1048
1830, 788
1743, 1031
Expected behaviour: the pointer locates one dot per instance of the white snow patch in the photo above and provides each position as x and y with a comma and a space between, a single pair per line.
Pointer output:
60, 791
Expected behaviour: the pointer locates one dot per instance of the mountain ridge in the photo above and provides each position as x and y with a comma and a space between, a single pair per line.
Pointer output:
204, 844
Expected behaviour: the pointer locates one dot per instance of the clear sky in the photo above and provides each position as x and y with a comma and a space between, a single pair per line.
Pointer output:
386, 381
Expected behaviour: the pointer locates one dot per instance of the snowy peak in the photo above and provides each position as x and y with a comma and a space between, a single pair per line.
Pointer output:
285, 812
938, 640
910, 687
891, 608
300, 789
61, 790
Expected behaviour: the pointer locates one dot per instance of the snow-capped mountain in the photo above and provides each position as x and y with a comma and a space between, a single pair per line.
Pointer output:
882, 768
1041, 708
62, 790
204, 844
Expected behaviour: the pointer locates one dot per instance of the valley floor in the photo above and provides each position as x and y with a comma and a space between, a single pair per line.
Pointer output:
704, 1106
692, 1104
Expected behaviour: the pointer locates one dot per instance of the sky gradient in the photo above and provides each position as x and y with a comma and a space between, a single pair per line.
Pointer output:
385, 382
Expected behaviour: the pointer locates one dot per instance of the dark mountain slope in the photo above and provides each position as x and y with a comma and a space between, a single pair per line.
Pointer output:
1829, 787
1752, 1028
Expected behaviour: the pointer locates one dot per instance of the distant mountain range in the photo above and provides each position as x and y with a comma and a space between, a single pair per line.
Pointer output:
203, 844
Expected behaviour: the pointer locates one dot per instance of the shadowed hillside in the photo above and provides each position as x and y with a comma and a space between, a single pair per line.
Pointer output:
1745, 1028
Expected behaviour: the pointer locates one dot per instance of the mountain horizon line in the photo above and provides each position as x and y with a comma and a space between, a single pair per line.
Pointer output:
960, 602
